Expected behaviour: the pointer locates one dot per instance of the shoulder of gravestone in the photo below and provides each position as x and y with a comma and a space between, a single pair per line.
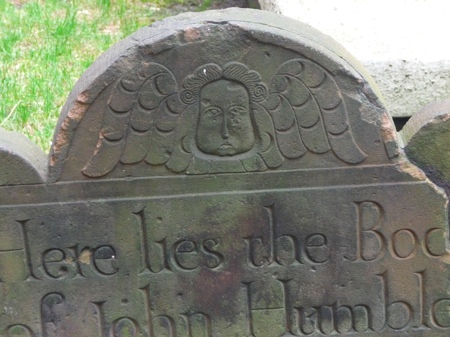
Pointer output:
150, 42
22, 161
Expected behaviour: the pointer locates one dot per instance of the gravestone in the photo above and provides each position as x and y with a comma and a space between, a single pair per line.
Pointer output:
426, 137
228, 173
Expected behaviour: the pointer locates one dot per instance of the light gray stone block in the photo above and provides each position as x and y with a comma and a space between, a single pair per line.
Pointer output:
401, 43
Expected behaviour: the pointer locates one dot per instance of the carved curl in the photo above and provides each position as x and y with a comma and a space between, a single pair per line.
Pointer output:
232, 71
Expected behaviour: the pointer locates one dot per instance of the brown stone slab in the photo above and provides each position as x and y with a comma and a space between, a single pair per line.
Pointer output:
238, 260
301, 113
228, 173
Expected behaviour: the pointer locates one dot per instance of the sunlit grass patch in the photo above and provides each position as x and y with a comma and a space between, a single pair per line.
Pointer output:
45, 46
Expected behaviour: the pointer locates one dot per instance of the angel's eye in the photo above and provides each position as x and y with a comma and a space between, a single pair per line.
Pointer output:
212, 111
236, 110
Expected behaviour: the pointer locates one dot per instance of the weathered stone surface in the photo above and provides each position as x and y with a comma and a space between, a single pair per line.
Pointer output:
126, 126
227, 173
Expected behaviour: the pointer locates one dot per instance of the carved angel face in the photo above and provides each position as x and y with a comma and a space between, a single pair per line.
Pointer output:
224, 125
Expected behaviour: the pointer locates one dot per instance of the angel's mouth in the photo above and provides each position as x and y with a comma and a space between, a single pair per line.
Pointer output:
226, 145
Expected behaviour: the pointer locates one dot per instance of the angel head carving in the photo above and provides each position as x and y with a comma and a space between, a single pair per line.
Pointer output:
224, 119
225, 99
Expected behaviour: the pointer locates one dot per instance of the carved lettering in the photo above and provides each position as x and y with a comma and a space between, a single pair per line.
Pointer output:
338, 318
80, 258
285, 249
164, 326
124, 327
316, 248
15, 254
73, 263
103, 259
54, 312
145, 248
120, 327
370, 243
273, 248
19, 330
198, 324
397, 314
185, 253
189, 255
435, 242
421, 300
284, 310
308, 320
222, 175
148, 309
213, 258
404, 244
55, 263
99, 317
440, 313
182, 255
329, 320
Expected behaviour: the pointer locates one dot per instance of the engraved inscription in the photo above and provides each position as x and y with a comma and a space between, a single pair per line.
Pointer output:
124, 327
222, 175
54, 313
339, 318
404, 244
331, 319
372, 242
440, 313
15, 258
285, 249
183, 255
190, 324
74, 262
259, 312
273, 276
103, 259
17, 330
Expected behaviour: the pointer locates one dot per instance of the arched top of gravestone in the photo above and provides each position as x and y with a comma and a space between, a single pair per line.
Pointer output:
221, 92
22, 161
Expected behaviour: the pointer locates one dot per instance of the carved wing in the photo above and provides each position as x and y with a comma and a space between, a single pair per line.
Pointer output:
309, 113
139, 123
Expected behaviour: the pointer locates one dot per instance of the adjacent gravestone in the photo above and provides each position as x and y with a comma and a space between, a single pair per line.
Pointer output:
227, 173
426, 137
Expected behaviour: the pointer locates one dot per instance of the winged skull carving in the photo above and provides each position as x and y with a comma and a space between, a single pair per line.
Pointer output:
225, 119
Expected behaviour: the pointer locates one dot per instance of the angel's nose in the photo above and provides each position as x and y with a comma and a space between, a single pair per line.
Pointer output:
225, 133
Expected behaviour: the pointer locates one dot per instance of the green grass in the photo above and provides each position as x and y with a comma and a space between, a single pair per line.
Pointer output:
45, 46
